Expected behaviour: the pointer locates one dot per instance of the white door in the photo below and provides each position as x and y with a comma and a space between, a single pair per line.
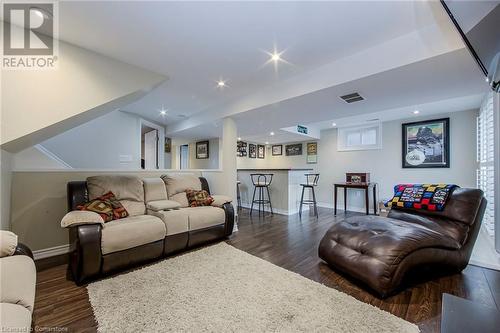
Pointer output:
184, 156
151, 150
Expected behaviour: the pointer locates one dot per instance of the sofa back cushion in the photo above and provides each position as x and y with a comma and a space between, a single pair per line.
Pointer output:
154, 189
128, 190
177, 184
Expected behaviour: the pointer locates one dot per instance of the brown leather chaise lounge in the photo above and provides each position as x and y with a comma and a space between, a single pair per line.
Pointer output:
148, 233
379, 251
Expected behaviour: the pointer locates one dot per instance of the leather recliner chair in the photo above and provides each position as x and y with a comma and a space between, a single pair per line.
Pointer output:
380, 251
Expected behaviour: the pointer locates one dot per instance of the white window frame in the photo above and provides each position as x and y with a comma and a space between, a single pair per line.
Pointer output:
342, 133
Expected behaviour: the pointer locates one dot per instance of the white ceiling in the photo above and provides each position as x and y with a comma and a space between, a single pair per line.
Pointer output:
196, 43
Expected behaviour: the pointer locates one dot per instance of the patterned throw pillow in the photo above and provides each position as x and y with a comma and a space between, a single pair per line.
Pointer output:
198, 198
107, 206
421, 196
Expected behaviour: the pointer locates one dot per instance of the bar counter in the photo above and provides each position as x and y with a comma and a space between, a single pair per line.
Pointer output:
285, 188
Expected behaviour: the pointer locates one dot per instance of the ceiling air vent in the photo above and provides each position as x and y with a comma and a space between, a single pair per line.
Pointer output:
351, 98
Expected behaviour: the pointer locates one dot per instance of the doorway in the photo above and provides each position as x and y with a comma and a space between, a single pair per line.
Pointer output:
149, 148
184, 157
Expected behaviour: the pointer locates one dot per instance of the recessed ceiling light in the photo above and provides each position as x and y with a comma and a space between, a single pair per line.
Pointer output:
487, 79
267, 142
416, 112
275, 56
239, 139
163, 111
272, 133
221, 84
334, 124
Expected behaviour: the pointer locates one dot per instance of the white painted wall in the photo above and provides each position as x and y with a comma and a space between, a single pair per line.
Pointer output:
384, 165
38, 104
112, 141
33, 158
212, 162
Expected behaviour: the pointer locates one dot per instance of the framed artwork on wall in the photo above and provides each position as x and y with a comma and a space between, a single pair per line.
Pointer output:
168, 145
241, 149
293, 149
252, 150
277, 150
261, 151
312, 152
202, 150
426, 144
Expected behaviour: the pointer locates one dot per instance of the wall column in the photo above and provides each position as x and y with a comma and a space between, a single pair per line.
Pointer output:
228, 151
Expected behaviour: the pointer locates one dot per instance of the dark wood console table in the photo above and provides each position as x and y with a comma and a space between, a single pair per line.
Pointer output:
363, 186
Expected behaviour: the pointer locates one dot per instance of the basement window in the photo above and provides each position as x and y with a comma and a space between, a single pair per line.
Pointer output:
359, 137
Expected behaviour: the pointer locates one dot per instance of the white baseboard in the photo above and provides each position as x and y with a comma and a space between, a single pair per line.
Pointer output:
51, 251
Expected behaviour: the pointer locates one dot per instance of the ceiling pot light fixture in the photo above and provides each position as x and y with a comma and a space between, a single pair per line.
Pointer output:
163, 111
239, 139
334, 124
272, 133
416, 112
267, 142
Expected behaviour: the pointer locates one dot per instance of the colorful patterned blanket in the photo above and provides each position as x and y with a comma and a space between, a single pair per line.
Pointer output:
421, 196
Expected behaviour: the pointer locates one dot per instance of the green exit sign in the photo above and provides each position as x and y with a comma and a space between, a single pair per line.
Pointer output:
301, 129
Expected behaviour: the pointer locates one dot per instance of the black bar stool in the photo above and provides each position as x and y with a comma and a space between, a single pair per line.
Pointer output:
238, 195
261, 181
311, 183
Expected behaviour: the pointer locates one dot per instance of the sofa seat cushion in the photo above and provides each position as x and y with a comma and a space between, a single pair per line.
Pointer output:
176, 221
130, 232
17, 281
191, 218
204, 217
15, 318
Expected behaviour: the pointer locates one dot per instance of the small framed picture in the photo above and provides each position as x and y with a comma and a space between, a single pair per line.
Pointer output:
168, 145
202, 150
252, 150
426, 144
293, 149
241, 149
312, 152
261, 151
277, 150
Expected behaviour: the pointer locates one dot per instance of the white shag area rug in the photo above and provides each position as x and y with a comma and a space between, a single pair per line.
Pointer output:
223, 289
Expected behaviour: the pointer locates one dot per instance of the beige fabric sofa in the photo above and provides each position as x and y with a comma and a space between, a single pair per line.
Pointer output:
160, 222
17, 284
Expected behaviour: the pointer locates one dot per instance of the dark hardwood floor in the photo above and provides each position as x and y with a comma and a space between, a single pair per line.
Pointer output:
291, 243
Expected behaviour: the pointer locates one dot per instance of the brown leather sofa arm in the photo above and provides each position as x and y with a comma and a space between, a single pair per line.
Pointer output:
229, 211
22, 249
85, 251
